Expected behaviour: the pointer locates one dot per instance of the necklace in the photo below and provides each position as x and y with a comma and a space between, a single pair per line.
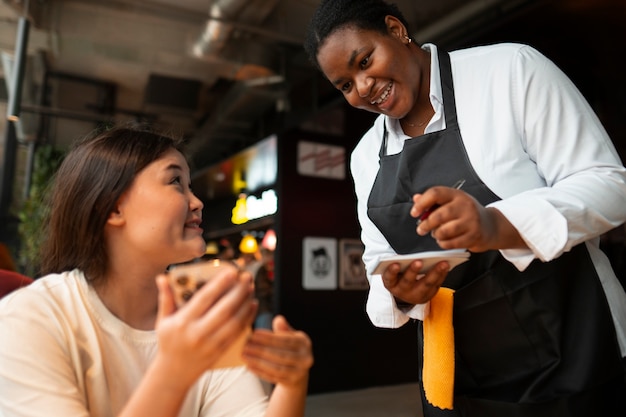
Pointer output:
404, 122
414, 124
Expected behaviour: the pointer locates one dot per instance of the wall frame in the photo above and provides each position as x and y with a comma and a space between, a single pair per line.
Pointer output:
352, 274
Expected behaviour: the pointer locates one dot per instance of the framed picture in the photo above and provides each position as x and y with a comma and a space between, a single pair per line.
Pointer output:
352, 274
319, 263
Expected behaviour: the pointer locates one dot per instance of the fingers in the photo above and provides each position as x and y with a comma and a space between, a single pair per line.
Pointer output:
234, 311
433, 208
199, 332
229, 329
435, 276
391, 276
210, 292
467, 225
219, 311
434, 196
415, 286
455, 233
246, 276
282, 356
279, 324
457, 223
427, 286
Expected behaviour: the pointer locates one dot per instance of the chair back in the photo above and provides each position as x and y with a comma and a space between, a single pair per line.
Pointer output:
11, 281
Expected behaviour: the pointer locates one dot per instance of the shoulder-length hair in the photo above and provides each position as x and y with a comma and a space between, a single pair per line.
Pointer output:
86, 188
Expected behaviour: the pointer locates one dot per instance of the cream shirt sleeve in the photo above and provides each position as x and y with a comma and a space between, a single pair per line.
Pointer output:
36, 376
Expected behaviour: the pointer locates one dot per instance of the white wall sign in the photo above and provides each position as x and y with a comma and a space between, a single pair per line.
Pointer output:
261, 207
320, 160
319, 263
249, 207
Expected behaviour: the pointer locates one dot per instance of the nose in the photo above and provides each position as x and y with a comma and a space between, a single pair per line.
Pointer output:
364, 85
195, 203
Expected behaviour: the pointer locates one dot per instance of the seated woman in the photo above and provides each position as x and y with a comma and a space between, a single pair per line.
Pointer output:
100, 335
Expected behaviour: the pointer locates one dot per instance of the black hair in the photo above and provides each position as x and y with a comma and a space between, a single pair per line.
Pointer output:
332, 15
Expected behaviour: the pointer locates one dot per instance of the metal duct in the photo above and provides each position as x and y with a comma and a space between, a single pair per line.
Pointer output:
218, 37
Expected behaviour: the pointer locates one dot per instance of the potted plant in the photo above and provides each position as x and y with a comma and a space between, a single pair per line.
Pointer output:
35, 207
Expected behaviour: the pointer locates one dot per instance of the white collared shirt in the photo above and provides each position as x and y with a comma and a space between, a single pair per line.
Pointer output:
534, 140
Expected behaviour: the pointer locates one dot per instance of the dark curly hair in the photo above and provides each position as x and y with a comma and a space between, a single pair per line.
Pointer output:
332, 15
87, 186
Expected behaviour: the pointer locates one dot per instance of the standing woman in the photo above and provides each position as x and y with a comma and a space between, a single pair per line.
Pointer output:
99, 334
539, 316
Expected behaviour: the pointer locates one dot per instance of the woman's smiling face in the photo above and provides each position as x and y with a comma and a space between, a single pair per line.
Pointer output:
371, 69
161, 214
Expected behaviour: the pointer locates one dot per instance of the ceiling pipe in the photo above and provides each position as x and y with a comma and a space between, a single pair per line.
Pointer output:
218, 36
218, 28
258, 30
216, 32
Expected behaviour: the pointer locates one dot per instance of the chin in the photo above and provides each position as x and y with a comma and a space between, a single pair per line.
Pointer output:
191, 251
201, 248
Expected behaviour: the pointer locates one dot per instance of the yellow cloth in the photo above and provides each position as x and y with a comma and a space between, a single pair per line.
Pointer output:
438, 369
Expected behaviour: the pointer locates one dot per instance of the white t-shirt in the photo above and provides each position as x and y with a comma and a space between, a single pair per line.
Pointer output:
534, 140
63, 353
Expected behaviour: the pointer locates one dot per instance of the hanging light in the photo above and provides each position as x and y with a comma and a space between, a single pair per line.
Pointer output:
211, 248
269, 240
248, 244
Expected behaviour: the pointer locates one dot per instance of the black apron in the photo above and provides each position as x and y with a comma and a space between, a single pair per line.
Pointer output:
534, 343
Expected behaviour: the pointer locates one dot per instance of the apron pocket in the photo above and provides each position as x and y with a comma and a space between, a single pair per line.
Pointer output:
505, 336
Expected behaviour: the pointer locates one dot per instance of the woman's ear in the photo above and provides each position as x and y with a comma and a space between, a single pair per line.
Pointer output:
116, 216
395, 27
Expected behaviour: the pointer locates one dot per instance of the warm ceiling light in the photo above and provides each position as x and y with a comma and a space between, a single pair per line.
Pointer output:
269, 240
248, 244
211, 248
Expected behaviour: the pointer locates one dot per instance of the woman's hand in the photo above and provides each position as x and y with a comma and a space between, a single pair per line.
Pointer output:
413, 286
192, 338
282, 356
459, 221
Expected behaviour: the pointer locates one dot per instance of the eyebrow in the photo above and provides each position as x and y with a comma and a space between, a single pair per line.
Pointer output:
351, 60
353, 56
173, 166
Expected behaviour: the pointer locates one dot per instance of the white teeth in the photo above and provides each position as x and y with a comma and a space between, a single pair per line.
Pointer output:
384, 95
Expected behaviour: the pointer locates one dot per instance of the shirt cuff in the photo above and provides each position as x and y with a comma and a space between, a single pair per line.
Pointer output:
383, 310
539, 224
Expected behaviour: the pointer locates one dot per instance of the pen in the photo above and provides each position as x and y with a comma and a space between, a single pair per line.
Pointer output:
457, 185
